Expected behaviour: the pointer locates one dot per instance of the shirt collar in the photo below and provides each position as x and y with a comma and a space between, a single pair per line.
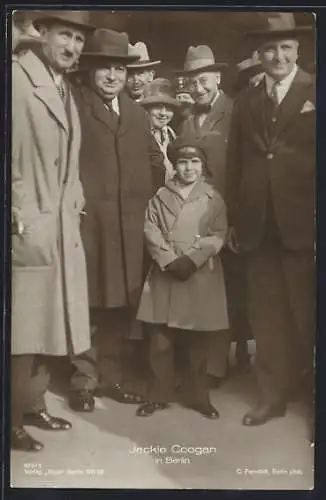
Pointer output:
215, 98
285, 83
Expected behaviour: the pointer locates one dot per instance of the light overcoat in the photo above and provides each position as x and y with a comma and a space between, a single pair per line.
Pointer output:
49, 288
196, 227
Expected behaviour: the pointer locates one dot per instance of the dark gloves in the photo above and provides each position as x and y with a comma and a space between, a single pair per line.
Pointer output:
181, 268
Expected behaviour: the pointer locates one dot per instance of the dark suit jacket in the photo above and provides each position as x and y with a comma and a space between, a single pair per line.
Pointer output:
215, 129
120, 168
282, 164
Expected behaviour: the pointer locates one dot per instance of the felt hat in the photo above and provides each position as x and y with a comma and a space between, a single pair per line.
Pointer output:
77, 18
188, 145
140, 50
159, 91
198, 59
107, 44
277, 25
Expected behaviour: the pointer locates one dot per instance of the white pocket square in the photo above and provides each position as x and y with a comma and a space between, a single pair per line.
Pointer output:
308, 106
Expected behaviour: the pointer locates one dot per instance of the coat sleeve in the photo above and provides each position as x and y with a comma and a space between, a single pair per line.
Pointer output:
17, 183
233, 163
158, 248
210, 245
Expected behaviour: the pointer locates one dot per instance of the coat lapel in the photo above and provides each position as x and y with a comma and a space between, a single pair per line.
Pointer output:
292, 102
98, 109
44, 87
126, 113
257, 114
170, 198
217, 114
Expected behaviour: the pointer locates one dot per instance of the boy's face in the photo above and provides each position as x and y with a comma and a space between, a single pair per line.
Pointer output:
189, 168
160, 115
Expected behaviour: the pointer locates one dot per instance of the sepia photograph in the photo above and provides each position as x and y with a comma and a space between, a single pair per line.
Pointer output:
163, 281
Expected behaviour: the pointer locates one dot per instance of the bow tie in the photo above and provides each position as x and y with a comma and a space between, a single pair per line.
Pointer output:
202, 109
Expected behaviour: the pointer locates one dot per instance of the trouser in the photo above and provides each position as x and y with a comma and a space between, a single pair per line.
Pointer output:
281, 311
162, 340
29, 382
102, 364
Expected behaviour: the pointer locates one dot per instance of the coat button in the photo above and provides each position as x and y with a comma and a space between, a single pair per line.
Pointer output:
56, 162
270, 156
274, 119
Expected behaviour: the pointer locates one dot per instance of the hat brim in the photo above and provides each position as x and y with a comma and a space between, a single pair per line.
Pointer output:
151, 101
279, 33
29, 40
144, 64
47, 19
211, 67
91, 56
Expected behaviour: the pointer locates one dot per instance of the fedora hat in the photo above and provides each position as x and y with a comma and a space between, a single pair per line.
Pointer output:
200, 58
159, 91
108, 44
140, 50
278, 24
78, 18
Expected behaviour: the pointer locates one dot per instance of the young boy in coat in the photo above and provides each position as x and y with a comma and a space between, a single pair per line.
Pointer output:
184, 292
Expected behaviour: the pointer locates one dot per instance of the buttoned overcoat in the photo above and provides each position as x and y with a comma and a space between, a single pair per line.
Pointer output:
49, 286
196, 227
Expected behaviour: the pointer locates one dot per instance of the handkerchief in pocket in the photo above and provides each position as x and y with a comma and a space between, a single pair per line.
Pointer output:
308, 106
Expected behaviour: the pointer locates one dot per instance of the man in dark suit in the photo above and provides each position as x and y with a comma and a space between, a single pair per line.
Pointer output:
120, 167
210, 118
270, 198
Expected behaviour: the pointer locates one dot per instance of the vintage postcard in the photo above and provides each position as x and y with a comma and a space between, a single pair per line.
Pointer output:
163, 269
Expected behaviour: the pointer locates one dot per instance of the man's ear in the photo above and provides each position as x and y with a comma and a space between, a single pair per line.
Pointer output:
151, 75
218, 78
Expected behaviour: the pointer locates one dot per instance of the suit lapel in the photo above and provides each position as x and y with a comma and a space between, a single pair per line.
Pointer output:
257, 114
44, 87
292, 102
217, 114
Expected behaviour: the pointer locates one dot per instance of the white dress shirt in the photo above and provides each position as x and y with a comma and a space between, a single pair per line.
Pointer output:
115, 105
282, 87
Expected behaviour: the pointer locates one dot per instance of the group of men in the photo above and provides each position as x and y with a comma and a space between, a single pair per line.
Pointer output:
85, 164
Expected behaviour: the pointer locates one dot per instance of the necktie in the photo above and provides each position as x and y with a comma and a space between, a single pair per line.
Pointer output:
273, 94
114, 115
62, 91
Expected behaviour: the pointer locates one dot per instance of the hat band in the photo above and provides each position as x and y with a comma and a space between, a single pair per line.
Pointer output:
198, 63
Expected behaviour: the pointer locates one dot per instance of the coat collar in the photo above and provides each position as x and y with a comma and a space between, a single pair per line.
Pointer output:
44, 87
102, 114
170, 196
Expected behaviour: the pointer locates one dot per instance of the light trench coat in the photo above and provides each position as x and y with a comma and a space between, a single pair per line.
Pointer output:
195, 227
49, 288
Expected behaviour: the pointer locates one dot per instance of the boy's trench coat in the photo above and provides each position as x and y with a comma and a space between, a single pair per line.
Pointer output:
49, 287
197, 227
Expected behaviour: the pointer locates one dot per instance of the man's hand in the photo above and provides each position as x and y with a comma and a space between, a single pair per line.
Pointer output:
181, 268
232, 241
17, 225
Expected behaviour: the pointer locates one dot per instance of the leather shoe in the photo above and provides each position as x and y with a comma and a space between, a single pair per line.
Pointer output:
118, 394
21, 440
82, 401
207, 411
45, 421
147, 409
263, 413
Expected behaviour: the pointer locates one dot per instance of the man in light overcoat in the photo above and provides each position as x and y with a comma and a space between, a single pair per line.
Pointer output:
49, 289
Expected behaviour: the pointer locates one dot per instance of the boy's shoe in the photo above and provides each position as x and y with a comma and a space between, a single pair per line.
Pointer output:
147, 409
